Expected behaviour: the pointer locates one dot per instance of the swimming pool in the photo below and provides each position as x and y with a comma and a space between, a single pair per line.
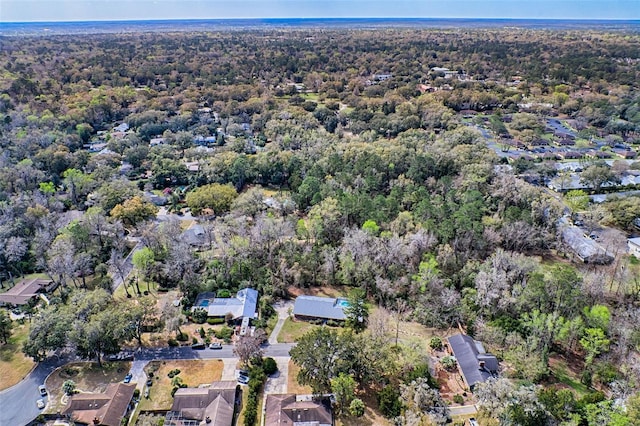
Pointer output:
204, 303
343, 303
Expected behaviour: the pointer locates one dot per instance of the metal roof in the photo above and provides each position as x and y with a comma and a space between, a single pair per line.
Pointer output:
320, 307
243, 305
468, 356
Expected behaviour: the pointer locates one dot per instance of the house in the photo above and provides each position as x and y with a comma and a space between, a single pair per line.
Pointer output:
121, 128
156, 141
195, 236
25, 290
474, 363
625, 153
211, 406
586, 249
314, 307
634, 247
243, 305
156, 200
292, 410
108, 408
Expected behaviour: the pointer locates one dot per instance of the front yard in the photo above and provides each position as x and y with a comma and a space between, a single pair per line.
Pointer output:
14, 365
87, 376
193, 373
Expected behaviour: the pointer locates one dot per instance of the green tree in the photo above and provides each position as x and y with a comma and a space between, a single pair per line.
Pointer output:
594, 343
357, 310
322, 354
217, 197
143, 260
134, 211
577, 200
6, 326
357, 408
69, 387
344, 388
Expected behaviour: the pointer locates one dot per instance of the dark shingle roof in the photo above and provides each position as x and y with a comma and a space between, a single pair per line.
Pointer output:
286, 409
469, 353
320, 307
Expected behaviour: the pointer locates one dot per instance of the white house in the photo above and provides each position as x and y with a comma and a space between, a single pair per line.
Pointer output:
634, 247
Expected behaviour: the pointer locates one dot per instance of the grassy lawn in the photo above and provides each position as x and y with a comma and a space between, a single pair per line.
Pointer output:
293, 329
14, 365
561, 372
87, 376
292, 382
192, 372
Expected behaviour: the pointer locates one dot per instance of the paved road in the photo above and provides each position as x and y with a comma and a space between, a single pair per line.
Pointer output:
18, 403
128, 267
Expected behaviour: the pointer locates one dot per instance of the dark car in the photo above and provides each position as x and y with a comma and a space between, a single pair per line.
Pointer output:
43, 390
198, 346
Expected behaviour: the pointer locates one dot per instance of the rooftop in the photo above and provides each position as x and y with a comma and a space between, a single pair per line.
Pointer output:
243, 305
320, 307
22, 292
476, 365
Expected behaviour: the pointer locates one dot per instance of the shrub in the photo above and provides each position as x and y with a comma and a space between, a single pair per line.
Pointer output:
225, 333
458, 399
389, 401
333, 323
223, 294
69, 387
214, 321
269, 366
356, 408
182, 337
199, 316
448, 362
202, 333
435, 343
173, 342
194, 340
136, 393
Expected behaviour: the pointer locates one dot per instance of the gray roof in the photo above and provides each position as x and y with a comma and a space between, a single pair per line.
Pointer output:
635, 241
584, 247
469, 353
194, 236
215, 403
320, 307
241, 306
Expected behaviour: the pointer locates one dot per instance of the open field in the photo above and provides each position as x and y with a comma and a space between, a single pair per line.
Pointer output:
193, 373
14, 365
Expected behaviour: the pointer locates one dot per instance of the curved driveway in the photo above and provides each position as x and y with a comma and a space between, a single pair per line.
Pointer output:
18, 403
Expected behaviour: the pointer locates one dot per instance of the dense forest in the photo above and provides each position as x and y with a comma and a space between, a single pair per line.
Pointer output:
328, 158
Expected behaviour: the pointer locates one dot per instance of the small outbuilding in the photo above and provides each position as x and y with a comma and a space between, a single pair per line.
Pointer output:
634, 247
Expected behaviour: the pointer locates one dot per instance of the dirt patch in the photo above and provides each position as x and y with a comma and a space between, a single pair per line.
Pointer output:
193, 373
88, 377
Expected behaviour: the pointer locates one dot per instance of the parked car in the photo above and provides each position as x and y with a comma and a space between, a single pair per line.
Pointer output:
198, 346
40, 404
43, 390
473, 421
149, 382
215, 346
243, 377
128, 377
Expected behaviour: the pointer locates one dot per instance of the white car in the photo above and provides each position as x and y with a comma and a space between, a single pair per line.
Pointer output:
40, 404
473, 422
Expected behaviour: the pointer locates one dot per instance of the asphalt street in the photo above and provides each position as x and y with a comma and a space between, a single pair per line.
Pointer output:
18, 403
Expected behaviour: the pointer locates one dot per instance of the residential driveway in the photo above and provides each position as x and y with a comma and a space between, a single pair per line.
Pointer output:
139, 376
283, 308
229, 369
465, 410
277, 383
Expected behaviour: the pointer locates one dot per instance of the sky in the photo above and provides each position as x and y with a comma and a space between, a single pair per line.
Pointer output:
106, 10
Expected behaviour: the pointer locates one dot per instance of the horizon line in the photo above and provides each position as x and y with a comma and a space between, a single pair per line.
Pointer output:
324, 18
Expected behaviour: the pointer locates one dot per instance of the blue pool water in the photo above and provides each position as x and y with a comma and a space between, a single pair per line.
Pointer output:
204, 303
343, 303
